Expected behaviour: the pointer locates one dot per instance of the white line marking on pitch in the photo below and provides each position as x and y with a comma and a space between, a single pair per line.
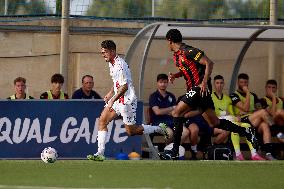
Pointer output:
45, 187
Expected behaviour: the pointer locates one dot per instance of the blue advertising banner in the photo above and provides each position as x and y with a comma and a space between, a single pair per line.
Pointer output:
69, 126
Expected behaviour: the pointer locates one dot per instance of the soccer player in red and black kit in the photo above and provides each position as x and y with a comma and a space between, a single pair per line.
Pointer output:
196, 69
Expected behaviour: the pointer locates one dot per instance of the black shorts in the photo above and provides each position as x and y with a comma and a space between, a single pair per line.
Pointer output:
196, 102
245, 119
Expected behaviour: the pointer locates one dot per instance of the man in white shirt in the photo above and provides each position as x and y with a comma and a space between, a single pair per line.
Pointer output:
120, 100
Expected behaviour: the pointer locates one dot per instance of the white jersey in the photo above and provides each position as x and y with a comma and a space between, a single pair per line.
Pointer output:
120, 73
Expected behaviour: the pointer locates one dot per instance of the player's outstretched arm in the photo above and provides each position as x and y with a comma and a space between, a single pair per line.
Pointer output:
172, 76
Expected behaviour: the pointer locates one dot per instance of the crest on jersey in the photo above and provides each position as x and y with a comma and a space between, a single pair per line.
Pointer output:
190, 94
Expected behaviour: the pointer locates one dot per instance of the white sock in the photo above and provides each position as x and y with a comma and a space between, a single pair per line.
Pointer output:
101, 142
238, 152
194, 148
253, 152
280, 135
148, 129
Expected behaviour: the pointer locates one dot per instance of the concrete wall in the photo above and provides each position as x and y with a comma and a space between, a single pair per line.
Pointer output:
35, 56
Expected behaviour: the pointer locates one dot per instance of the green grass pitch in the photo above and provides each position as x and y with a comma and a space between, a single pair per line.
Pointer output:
23, 174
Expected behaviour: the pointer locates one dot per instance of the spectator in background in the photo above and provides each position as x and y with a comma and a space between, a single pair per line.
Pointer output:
247, 106
20, 89
274, 106
161, 104
273, 103
199, 126
55, 92
224, 109
86, 91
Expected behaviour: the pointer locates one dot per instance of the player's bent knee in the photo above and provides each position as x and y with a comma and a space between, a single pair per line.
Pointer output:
263, 113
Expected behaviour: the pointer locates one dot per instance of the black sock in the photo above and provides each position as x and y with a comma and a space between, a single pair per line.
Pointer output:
178, 127
230, 126
268, 148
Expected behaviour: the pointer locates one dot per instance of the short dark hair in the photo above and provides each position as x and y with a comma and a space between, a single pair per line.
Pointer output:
86, 76
243, 76
174, 35
162, 76
218, 77
108, 44
57, 78
271, 82
19, 79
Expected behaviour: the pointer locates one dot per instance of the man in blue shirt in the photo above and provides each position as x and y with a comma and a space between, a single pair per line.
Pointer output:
86, 91
161, 104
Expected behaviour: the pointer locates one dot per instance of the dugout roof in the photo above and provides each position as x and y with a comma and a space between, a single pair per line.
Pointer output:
138, 51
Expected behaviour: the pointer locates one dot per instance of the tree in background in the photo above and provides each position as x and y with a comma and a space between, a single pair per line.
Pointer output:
22, 7
281, 9
176, 9
252, 8
36, 7
15, 6
120, 8
184, 9
58, 6
191, 9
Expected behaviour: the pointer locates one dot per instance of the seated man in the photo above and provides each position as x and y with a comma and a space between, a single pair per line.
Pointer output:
199, 126
246, 105
55, 92
274, 106
161, 104
224, 109
20, 89
86, 91
273, 103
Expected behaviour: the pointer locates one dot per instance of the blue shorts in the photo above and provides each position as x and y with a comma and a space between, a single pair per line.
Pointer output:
201, 123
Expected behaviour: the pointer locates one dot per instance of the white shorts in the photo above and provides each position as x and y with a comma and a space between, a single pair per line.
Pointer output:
127, 111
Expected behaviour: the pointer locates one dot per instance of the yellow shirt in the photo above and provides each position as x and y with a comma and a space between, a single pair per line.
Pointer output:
223, 105
279, 104
237, 111
49, 94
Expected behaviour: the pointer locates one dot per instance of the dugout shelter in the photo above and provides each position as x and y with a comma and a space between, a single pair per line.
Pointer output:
255, 50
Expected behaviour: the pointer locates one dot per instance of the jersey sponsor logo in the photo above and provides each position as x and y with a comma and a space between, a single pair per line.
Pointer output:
197, 56
234, 98
190, 94
183, 68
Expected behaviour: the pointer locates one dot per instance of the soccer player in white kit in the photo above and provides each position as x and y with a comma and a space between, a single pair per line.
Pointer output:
120, 100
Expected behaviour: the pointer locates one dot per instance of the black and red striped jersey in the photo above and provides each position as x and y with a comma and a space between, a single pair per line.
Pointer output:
187, 60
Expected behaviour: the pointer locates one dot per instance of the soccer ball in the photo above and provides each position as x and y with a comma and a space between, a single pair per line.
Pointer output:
49, 155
